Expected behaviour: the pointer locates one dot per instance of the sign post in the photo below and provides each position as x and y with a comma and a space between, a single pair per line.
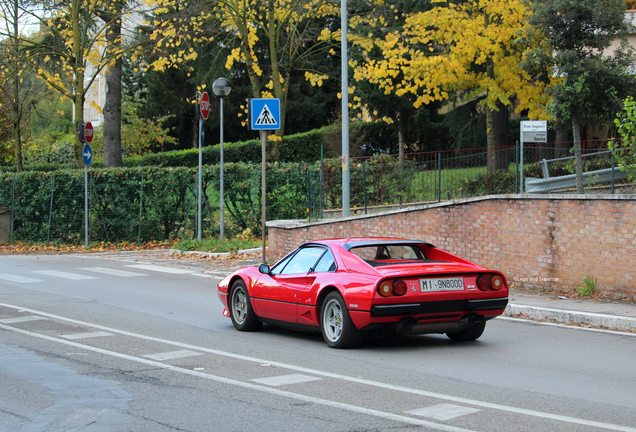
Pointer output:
87, 155
204, 111
264, 116
531, 131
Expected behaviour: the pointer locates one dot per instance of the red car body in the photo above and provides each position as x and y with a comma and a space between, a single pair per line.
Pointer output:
371, 283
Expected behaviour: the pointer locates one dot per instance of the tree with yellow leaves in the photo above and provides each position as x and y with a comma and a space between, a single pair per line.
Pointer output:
16, 75
472, 48
289, 31
268, 40
69, 51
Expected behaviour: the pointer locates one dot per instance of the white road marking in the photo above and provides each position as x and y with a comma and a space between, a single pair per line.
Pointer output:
112, 272
87, 335
64, 275
325, 374
286, 380
443, 412
17, 278
249, 386
22, 319
172, 355
160, 269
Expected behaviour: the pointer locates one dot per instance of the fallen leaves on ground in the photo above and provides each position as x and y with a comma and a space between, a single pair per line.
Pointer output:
20, 248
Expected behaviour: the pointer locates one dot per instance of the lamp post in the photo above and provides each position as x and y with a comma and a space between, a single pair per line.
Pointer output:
221, 88
344, 73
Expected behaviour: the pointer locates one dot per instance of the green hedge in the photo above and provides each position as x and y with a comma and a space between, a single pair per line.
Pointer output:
147, 203
301, 147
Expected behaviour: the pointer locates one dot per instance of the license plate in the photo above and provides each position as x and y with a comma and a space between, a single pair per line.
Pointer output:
442, 284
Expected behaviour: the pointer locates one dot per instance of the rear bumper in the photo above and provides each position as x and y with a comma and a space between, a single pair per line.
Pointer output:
439, 307
429, 317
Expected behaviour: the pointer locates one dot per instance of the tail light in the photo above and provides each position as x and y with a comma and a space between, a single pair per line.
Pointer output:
399, 287
386, 289
488, 282
390, 288
496, 282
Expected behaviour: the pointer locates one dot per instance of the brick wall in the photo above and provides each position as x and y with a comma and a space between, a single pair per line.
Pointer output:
548, 243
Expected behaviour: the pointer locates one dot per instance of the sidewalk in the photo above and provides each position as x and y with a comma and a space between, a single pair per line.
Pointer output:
605, 315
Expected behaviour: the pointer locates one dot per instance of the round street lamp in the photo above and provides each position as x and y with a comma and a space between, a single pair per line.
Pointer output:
221, 88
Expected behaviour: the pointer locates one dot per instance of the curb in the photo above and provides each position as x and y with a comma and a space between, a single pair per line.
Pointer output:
570, 317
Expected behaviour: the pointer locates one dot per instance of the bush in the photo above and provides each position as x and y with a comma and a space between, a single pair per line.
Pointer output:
495, 182
625, 149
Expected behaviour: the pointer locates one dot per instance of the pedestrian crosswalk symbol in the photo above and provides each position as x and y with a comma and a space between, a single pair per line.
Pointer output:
264, 114
265, 117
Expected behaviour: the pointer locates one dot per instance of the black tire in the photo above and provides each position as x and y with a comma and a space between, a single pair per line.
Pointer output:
241, 312
470, 334
336, 326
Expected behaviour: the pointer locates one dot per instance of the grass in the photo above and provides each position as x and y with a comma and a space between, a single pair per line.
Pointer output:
216, 245
588, 287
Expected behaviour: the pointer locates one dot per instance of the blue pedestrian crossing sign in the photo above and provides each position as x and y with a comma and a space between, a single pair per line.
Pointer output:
265, 114
87, 154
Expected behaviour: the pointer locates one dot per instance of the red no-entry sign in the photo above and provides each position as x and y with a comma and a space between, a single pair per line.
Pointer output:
89, 132
204, 105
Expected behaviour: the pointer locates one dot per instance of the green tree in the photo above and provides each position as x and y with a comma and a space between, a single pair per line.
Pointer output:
591, 82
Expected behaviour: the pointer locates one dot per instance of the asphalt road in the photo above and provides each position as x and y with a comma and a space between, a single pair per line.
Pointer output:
92, 343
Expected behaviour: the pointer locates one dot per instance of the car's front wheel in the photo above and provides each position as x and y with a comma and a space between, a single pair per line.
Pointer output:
241, 312
469, 334
337, 328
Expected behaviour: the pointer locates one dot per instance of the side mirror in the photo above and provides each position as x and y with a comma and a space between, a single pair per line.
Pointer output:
264, 268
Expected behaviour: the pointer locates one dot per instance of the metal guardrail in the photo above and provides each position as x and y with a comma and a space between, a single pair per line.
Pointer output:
563, 182
551, 184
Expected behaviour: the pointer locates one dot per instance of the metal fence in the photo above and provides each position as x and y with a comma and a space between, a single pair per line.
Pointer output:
137, 205
386, 182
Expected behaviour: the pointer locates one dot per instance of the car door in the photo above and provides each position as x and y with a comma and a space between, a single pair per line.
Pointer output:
276, 295
320, 275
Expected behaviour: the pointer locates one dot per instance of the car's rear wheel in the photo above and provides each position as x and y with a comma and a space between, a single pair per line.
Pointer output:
241, 312
337, 328
469, 334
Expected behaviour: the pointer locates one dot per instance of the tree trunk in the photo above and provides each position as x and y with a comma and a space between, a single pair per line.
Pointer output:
491, 149
112, 104
576, 135
17, 113
401, 137
500, 132
78, 106
496, 135
562, 140
78, 80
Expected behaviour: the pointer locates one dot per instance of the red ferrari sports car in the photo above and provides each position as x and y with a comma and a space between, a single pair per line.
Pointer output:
347, 287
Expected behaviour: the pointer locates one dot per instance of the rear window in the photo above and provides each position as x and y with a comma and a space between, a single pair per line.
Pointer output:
384, 254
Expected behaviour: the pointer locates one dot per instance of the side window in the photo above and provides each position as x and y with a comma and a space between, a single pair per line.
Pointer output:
326, 263
278, 268
303, 261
